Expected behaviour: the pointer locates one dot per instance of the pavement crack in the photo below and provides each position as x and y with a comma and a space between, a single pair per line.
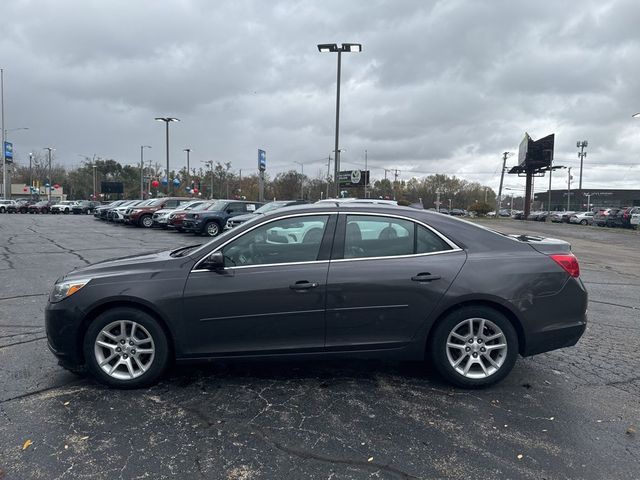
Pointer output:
615, 304
20, 334
24, 296
23, 342
363, 464
42, 390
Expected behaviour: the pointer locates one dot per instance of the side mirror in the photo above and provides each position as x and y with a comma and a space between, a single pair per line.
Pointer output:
214, 261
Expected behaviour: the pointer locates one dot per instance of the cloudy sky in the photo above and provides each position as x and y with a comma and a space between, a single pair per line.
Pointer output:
440, 86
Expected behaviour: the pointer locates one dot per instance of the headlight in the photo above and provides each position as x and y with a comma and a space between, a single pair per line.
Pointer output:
63, 290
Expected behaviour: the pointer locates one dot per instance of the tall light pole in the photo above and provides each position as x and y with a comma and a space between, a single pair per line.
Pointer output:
142, 147
4, 160
569, 177
49, 150
301, 179
333, 48
94, 166
188, 150
581, 155
167, 120
5, 175
31, 171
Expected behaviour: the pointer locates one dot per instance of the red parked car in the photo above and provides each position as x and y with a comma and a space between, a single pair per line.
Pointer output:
176, 218
42, 206
143, 216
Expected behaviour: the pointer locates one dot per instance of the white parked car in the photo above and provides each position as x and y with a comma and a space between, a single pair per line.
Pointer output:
583, 218
161, 217
63, 207
635, 220
4, 204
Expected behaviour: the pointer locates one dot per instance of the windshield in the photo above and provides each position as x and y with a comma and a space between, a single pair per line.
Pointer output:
217, 206
271, 206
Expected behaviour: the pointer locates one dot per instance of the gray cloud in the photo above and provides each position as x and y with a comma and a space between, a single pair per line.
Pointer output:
440, 86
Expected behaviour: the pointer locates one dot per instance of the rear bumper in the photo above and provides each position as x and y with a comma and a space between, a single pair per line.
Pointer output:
555, 321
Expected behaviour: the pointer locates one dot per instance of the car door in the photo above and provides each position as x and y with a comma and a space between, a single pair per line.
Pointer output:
386, 276
269, 297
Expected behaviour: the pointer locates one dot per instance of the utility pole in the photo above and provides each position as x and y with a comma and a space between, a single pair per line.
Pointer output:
30, 170
395, 182
94, 180
142, 147
4, 160
581, 155
438, 200
569, 190
301, 179
188, 150
48, 149
485, 195
328, 174
210, 163
505, 155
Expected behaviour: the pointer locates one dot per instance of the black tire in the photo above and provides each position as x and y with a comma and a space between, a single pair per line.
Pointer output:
2, 209
583, 222
212, 229
160, 343
146, 221
438, 346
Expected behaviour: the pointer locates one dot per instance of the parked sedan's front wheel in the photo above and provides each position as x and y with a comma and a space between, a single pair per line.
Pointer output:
583, 222
474, 347
126, 348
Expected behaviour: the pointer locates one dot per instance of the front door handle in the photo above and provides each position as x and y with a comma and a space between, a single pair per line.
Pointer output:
303, 285
425, 277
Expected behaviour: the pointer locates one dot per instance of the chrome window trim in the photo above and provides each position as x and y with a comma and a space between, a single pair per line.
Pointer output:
402, 217
219, 247
454, 248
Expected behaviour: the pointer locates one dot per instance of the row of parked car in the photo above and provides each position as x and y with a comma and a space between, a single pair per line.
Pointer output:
77, 207
201, 217
620, 217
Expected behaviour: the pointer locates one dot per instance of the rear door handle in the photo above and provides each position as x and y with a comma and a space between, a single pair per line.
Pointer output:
425, 277
303, 285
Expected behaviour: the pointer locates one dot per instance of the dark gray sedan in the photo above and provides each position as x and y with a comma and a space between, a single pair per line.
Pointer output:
341, 280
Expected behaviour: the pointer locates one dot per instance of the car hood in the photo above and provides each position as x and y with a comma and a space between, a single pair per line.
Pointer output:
119, 266
165, 211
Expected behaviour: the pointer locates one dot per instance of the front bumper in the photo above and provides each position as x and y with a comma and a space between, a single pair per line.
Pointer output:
62, 325
192, 225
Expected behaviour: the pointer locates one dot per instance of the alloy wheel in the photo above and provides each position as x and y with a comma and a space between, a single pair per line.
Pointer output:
124, 349
213, 229
147, 221
476, 348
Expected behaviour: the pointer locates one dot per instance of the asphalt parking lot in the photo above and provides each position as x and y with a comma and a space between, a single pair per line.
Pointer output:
573, 413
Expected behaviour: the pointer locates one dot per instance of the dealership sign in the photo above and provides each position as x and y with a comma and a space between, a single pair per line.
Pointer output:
353, 178
8, 151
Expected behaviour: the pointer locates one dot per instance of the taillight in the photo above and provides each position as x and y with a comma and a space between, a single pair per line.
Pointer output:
569, 263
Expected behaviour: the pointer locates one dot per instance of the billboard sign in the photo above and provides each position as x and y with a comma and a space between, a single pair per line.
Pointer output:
111, 187
8, 152
353, 178
535, 155
262, 160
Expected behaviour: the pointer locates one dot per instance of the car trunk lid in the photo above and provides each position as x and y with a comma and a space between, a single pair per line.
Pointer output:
545, 245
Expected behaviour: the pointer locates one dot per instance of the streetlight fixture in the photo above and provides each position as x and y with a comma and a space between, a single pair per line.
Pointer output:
142, 147
167, 120
333, 48
49, 150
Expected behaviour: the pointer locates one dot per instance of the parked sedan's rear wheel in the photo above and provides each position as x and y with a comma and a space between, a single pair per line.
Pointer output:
126, 348
474, 346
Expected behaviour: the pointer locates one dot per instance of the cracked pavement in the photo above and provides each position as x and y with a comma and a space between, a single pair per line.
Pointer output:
572, 413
